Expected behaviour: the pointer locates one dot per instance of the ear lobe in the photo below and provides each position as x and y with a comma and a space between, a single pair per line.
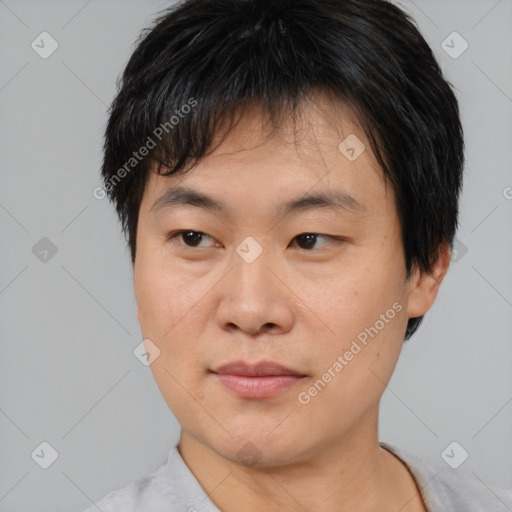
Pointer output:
425, 286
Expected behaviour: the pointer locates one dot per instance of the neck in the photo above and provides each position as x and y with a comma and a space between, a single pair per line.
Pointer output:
347, 474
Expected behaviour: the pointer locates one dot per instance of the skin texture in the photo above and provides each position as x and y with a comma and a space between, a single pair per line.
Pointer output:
302, 307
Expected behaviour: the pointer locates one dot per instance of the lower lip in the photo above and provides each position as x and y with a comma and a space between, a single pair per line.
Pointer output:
258, 387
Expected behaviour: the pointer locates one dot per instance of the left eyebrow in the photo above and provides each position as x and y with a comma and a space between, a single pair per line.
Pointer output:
338, 200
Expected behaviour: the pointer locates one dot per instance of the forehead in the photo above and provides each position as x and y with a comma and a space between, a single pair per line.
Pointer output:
322, 160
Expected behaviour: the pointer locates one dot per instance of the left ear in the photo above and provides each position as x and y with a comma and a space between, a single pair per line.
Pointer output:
424, 286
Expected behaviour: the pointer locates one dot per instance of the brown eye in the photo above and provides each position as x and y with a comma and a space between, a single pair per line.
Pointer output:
189, 237
308, 240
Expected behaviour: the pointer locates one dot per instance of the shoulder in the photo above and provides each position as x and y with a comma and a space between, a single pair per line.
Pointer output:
445, 489
172, 484
145, 492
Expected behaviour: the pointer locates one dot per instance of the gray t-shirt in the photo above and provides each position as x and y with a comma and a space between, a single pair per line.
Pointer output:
174, 488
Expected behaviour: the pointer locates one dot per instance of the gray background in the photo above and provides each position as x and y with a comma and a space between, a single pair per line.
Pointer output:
68, 373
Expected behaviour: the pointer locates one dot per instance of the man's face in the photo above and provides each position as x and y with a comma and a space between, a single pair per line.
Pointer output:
251, 289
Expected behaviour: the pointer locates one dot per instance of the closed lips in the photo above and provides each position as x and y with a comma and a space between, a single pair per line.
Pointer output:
264, 369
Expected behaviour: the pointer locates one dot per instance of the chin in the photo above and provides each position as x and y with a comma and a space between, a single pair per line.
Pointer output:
255, 448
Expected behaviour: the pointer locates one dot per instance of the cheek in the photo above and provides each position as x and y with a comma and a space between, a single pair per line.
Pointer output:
351, 379
369, 320
171, 313
366, 316
352, 302
177, 388
164, 297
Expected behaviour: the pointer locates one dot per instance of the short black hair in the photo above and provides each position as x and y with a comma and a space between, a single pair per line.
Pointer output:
203, 62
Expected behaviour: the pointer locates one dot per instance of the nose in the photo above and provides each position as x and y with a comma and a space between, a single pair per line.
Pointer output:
255, 298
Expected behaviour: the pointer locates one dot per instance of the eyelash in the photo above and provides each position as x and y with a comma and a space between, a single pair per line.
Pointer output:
175, 234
